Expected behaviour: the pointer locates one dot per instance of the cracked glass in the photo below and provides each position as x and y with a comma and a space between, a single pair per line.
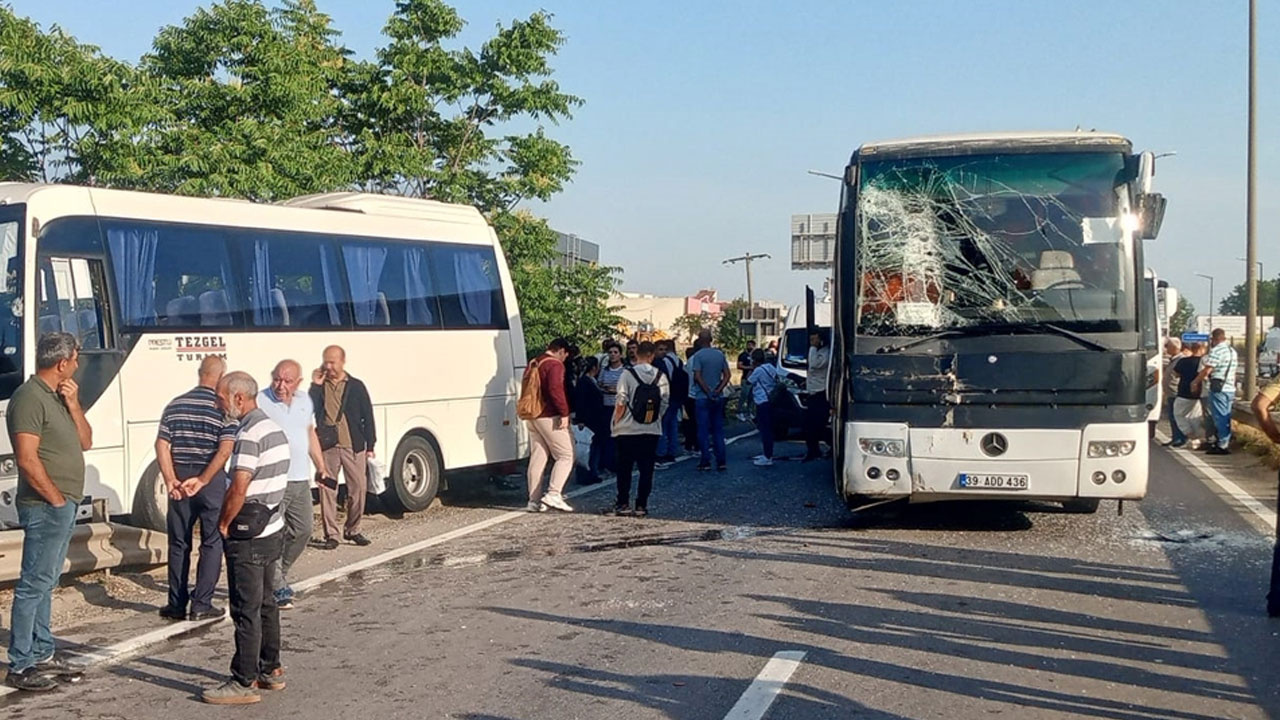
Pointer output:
995, 240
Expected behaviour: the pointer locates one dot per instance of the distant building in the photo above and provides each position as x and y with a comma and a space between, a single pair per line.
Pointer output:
572, 250
763, 323
647, 312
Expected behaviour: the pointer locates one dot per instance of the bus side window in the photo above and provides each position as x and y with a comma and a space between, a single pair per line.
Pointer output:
71, 300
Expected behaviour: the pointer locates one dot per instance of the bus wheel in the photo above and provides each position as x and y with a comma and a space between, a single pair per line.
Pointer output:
150, 501
1081, 506
415, 474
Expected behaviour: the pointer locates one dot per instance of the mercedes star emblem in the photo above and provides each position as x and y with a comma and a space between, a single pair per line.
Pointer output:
994, 444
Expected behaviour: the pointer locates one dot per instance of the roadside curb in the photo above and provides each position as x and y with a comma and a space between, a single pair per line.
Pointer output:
129, 648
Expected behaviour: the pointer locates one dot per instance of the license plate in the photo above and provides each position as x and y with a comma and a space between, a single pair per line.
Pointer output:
969, 481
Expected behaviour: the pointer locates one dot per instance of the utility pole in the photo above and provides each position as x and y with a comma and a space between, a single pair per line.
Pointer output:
747, 258
1210, 279
1251, 239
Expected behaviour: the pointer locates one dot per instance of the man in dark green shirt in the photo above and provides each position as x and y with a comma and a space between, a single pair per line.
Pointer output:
49, 435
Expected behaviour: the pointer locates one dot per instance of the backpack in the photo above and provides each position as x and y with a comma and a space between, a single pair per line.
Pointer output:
529, 406
679, 380
646, 400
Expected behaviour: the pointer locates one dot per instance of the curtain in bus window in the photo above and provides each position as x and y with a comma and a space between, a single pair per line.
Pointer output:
330, 286
418, 296
8, 253
475, 288
265, 311
133, 255
364, 270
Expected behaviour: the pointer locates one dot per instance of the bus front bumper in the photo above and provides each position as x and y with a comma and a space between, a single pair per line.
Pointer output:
886, 460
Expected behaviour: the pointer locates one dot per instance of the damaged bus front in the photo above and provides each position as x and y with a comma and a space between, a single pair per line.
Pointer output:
989, 291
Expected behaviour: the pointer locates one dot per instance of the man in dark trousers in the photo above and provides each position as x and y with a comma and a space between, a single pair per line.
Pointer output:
49, 435
344, 425
254, 538
818, 408
193, 445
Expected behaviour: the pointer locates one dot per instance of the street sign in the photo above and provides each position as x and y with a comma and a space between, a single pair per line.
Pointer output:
1191, 337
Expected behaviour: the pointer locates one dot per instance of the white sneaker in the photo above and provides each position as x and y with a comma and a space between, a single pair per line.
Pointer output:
556, 500
763, 461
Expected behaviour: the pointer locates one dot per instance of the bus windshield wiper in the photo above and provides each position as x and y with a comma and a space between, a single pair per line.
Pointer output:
996, 329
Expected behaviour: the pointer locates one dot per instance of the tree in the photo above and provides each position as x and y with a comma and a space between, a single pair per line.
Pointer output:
1237, 302
728, 332
250, 106
427, 120
1182, 317
62, 103
688, 326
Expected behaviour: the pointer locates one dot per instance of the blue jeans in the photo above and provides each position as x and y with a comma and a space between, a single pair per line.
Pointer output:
669, 443
711, 429
764, 423
46, 536
1220, 404
1179, 437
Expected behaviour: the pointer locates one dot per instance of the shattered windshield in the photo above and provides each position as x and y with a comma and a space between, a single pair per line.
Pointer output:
1016, 239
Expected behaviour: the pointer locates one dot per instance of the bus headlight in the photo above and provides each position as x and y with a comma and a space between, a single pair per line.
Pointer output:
1110, 448
883, 447
8, 467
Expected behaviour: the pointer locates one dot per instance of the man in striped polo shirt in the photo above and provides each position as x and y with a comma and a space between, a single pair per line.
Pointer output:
251, 525
192, 447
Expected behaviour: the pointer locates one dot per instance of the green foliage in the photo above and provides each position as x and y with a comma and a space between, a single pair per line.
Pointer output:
1182, 317
61, 103
249, 101
427, 120
728, 332
687, 327
1237, 302
554, 301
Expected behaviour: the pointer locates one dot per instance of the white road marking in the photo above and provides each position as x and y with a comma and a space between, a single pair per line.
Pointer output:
1266, 514
755, 702
128, 648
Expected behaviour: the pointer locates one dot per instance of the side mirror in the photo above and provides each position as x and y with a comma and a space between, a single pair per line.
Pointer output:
1150, 209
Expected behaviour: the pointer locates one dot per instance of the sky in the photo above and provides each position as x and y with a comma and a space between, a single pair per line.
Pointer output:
702, 117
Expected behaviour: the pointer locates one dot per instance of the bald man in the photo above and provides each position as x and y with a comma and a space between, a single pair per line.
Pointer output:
192, 448
344, 424
294, 413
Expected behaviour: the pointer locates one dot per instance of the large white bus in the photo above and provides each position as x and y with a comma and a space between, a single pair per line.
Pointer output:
417, 292
989, 301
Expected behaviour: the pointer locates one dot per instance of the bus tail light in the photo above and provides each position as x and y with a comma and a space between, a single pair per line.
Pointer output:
1110, 448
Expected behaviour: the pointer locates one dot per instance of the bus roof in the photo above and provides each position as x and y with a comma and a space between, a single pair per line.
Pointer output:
975, 143
394, 215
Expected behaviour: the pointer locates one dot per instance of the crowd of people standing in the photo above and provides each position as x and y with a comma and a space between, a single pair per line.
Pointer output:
637, 400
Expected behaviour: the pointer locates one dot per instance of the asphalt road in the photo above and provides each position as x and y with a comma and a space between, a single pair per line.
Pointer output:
949, 611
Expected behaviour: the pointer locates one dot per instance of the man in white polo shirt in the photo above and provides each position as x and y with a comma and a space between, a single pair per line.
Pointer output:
251, 526
295, 414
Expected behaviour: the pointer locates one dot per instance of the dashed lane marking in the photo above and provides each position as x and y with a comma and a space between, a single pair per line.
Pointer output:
762, 691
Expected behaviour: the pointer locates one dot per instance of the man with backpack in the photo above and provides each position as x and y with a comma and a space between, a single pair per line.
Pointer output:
544, 406
643, 395
668, 363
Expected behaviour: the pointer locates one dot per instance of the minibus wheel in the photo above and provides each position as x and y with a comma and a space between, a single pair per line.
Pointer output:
415, 474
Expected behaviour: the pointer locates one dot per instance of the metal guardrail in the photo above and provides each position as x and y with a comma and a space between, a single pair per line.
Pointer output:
94, 546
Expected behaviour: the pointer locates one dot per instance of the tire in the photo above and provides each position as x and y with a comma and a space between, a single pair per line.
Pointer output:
150, 501
415, 474
1081, 506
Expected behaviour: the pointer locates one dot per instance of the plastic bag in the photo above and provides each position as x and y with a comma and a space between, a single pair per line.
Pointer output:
376, 476
582, 446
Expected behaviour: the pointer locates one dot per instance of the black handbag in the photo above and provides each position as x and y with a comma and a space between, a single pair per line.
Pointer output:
328, 434
1216, 385
249, 523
